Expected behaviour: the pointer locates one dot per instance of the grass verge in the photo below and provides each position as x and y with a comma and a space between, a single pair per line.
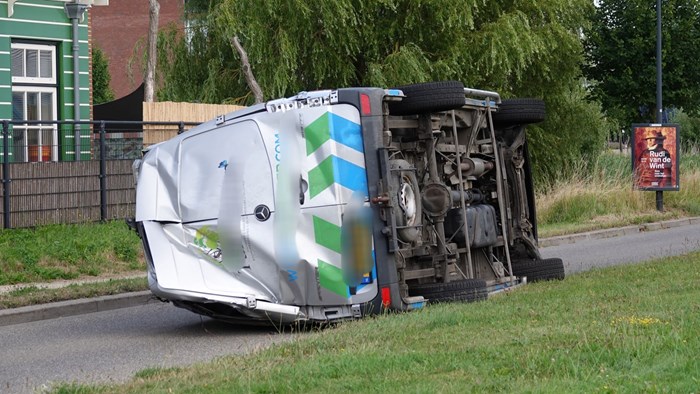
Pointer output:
33, 295
600, 195
624, 329
71, 251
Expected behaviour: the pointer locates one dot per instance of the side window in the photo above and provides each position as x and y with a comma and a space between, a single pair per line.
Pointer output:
34, 98
32, 63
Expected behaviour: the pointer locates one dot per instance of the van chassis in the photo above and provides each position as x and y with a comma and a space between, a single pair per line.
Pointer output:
457, 169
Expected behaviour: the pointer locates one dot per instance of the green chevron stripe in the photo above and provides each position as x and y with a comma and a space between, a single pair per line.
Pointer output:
317, 133
331, 279
321, 177
327, 234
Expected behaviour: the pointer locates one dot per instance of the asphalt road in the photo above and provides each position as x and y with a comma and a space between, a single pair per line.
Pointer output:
111, 346
637, 247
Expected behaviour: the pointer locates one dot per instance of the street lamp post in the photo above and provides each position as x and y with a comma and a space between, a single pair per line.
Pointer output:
75, 11
659, 105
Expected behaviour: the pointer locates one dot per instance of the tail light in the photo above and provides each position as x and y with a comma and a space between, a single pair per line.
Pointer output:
386, 297
365, 106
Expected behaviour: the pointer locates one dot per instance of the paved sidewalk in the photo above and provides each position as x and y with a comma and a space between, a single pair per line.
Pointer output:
97, 304
616, 232
81, 306
53, 310
65, 283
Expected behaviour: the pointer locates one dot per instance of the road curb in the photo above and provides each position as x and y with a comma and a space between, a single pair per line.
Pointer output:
616, 232
81, 306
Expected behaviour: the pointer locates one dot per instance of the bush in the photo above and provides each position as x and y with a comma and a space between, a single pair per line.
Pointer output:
575, 132
689, 128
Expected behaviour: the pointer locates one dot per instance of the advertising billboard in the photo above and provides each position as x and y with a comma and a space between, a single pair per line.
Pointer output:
655, 156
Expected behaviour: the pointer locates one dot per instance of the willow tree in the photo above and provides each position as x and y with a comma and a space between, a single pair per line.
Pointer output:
529, 48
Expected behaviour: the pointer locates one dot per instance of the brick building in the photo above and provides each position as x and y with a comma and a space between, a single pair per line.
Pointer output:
117, 30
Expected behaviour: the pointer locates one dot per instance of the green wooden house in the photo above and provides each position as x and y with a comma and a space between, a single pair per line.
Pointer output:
37, 57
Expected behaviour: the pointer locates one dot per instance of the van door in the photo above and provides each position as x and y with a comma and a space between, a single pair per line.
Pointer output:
335, 173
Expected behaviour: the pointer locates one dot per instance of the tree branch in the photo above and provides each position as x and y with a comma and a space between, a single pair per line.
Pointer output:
247, 71
149, 78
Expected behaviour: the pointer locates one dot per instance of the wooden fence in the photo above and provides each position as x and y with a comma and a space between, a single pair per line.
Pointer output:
54, 192
67, 192
177, 112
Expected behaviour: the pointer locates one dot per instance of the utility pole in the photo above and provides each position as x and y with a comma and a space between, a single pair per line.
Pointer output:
659, 104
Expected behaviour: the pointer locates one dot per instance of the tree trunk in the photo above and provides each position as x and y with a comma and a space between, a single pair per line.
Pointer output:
247, 71
149, 78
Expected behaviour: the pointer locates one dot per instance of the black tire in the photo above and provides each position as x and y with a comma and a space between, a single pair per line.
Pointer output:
429, 97
469, 290
538, 270
520, 111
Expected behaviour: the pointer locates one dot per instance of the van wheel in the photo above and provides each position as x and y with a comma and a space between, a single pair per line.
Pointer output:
407, 207
519, 111
537, 270
429, 97
469, 290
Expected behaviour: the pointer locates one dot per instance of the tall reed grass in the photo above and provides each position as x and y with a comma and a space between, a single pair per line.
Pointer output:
599, 194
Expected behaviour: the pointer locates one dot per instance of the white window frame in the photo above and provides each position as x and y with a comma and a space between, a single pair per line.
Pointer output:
38, 127
35, 80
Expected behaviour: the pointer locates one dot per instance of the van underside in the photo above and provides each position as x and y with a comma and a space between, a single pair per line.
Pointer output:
456, 194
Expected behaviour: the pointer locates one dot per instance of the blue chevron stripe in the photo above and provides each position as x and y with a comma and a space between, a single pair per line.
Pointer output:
349, 175
345, 132
336, 170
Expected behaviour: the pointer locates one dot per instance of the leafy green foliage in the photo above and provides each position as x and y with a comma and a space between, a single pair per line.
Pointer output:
499, 45
101, 91
690, 128
573, 133
621, 57
520, 49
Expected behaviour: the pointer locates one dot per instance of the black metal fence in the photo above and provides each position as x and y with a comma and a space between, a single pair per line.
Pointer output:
45, 183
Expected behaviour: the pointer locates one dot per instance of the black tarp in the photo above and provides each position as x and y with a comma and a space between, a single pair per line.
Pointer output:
127, 108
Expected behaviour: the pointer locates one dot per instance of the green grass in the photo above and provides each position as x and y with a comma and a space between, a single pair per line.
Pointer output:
68, 251
33, 295
625, 329
600, 195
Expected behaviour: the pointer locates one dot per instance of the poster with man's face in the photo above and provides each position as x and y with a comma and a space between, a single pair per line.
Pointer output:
655, 157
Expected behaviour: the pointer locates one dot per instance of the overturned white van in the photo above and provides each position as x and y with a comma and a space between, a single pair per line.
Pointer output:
340, 203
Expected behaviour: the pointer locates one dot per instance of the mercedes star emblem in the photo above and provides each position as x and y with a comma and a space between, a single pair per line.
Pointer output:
262, 212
